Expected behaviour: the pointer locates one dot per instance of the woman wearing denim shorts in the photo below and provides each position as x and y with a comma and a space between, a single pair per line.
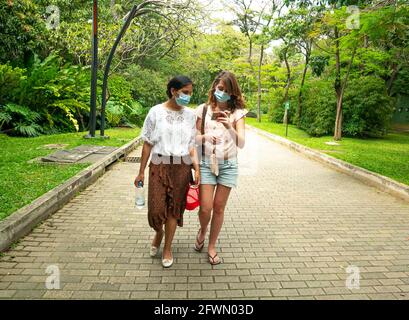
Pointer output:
223, 134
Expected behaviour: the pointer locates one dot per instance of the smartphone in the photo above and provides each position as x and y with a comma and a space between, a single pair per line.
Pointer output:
215, 115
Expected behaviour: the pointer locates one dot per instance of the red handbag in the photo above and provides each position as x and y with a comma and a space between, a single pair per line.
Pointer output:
192, 197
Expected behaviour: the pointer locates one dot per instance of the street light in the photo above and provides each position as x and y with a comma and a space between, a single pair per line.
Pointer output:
137, 10
94, 69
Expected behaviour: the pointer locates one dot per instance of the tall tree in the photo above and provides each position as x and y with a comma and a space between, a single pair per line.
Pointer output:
336, 35
23, 31
253, 19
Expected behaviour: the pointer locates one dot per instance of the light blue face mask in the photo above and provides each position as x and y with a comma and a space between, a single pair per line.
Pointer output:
221, 96
183, 99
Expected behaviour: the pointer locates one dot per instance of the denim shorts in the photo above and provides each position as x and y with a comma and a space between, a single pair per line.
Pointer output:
228, 173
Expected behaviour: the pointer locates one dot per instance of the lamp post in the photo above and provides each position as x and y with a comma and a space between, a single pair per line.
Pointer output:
94, 69
127, 21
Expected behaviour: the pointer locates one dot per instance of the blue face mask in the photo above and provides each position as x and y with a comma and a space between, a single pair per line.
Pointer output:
183, 99
221, 96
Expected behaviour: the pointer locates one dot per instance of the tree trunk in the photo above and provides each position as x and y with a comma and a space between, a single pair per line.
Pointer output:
250, 50
287, 65
299, 111
259, 84
307, 61
337, 86
340, 97
338, 119
81, 119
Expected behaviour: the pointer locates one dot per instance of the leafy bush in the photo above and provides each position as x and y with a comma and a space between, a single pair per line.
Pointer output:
19, 120
276, 112
56, 90
121, 109
367, 109
57, 93
148, 86
10, 79
23, 31
119, 113
251, 101
319, 107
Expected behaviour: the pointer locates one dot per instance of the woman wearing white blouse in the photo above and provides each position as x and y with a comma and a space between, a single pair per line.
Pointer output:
169, 136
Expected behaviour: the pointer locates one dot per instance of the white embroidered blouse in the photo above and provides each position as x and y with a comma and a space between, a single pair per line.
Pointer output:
171, 133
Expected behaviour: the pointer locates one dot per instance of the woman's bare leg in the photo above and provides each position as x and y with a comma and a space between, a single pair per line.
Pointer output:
206, 206
170, 229
219, 204
157, 239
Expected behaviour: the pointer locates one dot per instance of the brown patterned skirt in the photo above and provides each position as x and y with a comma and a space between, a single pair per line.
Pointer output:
168, 184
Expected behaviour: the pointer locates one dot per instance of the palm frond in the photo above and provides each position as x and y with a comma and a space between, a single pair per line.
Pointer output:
27, 130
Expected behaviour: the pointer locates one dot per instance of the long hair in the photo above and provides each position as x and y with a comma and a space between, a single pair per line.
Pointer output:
232, 88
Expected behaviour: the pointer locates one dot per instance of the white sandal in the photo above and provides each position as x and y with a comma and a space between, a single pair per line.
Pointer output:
166, 263
154, 250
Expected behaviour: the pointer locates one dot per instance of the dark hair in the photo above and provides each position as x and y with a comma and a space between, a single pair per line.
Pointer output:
177, 83
233, 88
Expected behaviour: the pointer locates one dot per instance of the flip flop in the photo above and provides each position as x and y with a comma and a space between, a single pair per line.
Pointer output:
199, 245
212, 260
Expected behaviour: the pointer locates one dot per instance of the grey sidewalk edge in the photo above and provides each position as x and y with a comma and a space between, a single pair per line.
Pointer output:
381, 182
22, 221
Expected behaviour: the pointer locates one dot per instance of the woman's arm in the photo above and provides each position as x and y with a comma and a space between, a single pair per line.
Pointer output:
239, 134
199, 136
147, 135
146, 152
195, 162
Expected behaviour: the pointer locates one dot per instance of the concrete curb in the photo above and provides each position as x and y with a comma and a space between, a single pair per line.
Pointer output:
22, 221
381, 182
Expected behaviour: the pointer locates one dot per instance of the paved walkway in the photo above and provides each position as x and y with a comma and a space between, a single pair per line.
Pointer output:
292, 228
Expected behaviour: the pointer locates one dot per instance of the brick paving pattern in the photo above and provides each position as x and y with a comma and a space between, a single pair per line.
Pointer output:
292, 227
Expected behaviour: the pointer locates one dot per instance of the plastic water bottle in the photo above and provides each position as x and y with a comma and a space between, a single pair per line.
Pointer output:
140, 196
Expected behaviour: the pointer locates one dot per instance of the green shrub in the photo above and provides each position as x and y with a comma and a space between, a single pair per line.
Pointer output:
148, 86
319, 107
10, 79
58, 91
251, 102
121, 108
276, 112
367, 109
23, 31
19, 120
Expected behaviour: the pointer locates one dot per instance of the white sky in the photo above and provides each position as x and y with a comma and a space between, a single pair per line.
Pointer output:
218, 9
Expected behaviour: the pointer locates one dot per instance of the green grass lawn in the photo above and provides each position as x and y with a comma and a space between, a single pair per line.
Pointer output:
22, 182
388, 156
